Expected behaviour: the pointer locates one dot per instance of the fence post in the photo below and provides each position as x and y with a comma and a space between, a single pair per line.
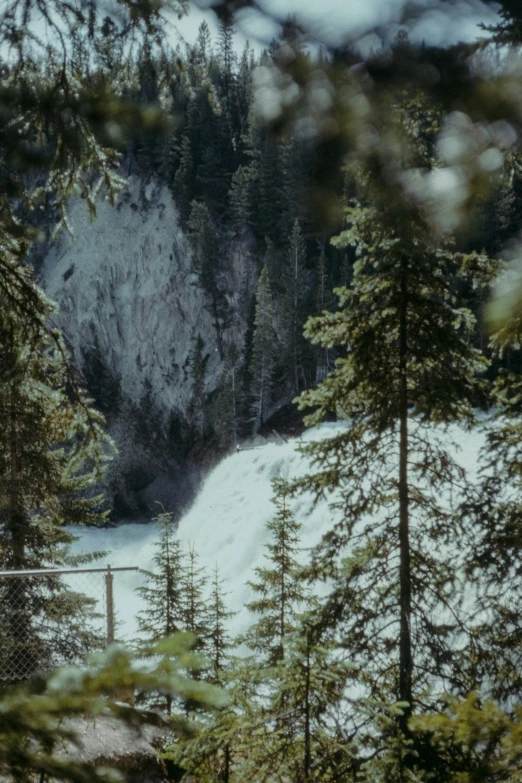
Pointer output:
109, 578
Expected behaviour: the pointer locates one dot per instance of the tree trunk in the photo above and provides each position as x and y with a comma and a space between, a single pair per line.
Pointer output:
226, 771
308, 744
405, 654
16, 520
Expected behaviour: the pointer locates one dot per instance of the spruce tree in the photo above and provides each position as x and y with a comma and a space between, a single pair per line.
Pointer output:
323, 363
262, 364
206, 261
244, 85
218, 641
227, 408
162, 594
493, 507
183, 184
267, 194
308, 703
240, 198
52, 458
203, 43
197, 362
278, 588
194, 604
226, 55
293, 306
409, 370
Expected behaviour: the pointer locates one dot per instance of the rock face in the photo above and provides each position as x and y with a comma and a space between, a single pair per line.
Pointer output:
132, 309
108, 742
124, 284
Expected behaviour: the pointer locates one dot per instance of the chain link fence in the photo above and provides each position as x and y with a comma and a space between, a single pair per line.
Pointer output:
49, 618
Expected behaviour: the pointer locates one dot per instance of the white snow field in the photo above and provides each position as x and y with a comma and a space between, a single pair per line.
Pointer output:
226, 523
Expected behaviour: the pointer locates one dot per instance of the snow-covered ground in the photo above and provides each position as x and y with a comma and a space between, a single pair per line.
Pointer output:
226, 523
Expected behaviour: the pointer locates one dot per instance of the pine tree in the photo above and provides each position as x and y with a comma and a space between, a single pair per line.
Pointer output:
227, 408
293, 179
323, 363
244, 85
53, 456
40, 720
197, 364
218, 641
163, 615
163, 592
240, 199
293, 306
194, 604
409, 371
267, 195
183, 185
203, 43
278, 587
226, 55
307, 704
262, 352
206, 261
493, 508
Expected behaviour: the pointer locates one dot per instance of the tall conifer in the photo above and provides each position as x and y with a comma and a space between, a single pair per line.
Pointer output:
409, 370
163, 615
206, 262
279, 592
162, 594
293, 305
262, 364
52, 456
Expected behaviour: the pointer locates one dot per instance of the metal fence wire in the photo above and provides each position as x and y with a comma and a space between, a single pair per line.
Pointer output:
49, 618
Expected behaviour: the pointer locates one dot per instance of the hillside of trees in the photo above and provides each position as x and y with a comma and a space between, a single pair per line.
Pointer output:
255, 192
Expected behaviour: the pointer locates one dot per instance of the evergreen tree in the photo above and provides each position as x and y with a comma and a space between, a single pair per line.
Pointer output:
226, 55
204, 43
197, 364
183, 185
293, 180
267, 194
194, 604
323, 362
206, 260
293, 305
307, 705
40, 720
262, 351
240, 200
53, 455
409, 371
162, 594
218, 642
163, 615
493, 506
278, 587
244, 85
227, 409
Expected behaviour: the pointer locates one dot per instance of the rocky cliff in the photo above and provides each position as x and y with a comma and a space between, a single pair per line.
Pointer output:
132, 309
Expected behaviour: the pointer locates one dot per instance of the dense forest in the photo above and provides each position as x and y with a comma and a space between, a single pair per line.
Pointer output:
380, 200
258, 219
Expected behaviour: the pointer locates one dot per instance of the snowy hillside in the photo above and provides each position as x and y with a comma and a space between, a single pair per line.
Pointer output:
226, 523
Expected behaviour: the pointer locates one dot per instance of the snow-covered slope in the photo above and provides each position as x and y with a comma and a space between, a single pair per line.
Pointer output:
226, 523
